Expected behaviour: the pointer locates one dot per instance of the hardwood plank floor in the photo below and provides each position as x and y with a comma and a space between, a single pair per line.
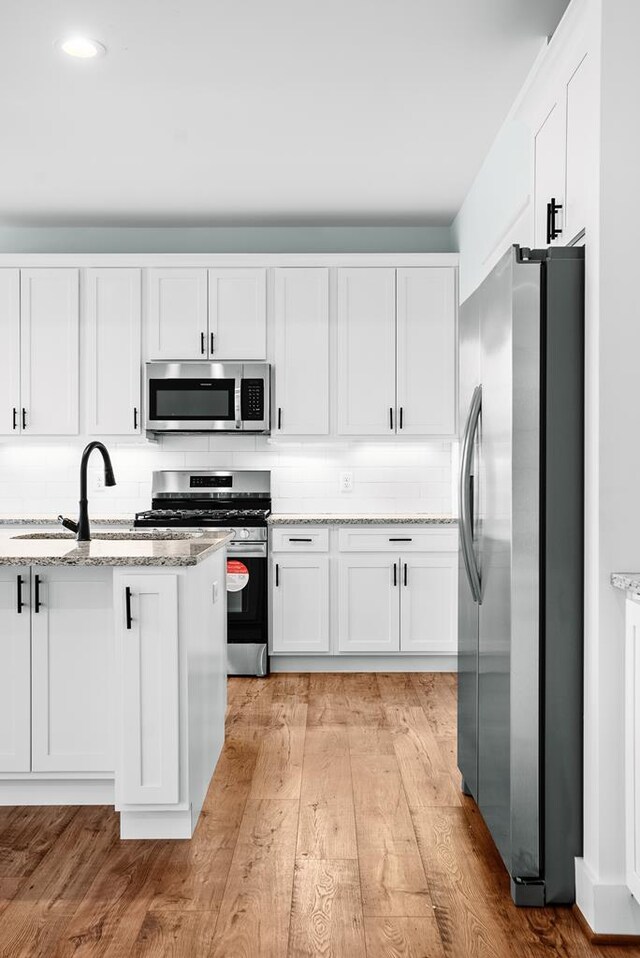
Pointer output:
334, 827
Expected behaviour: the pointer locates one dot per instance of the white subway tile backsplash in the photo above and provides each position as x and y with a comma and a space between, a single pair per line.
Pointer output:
305, 476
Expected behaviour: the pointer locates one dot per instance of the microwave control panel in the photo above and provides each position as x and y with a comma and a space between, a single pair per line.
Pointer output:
252, 400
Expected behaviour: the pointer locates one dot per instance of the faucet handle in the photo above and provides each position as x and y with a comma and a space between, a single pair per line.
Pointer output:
68, 524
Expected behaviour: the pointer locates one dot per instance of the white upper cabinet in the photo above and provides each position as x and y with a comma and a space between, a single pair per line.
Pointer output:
426, 351
581, 146
301, 352
15, 671
112, 329
549, 148
49, 321
237, 314
10, 419
176, 313
366, 351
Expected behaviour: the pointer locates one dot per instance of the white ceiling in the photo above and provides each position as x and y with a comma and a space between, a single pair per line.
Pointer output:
206, 112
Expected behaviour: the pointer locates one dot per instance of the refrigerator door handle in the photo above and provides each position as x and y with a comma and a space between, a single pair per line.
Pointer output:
466, 529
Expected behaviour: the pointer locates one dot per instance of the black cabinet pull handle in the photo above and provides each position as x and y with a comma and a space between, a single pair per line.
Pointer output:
395, 573
15, 418
279, 418
24, 418
127, 605
300, 540
277, 574
203, 344
390, 417
401, 416
135, 417
552, 230
405, 573
36, 593
19, 602
391, 539
212, 346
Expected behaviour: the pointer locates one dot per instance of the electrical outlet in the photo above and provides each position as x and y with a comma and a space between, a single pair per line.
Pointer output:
346, 482
98, 481
215, 592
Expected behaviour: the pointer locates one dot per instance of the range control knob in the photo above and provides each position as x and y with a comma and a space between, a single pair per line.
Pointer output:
243, 534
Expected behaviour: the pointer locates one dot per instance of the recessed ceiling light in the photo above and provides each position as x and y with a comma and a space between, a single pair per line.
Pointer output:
82, 47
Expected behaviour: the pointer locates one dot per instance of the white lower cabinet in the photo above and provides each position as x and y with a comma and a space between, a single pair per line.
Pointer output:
368, 604
301, 603
429, 603
15, 671
72, 669
364, 590
147, 655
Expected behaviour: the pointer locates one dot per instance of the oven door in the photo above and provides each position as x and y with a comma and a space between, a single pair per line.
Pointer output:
193, 397
247, 593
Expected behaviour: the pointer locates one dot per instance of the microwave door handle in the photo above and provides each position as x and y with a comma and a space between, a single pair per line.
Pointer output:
238, 397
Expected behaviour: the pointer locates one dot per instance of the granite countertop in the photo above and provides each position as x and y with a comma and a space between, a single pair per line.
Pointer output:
49, 520
627, 581
362, 519
108, 549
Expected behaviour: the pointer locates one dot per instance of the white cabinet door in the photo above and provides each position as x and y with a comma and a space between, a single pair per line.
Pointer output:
237, 313
15, 671
112, 317
148, 677
429, 603
302, 351
72, 669
301, 604
176, 313
369, 603
366, 352
581, 146
9, 352
550, 141
49, 311
426, 362
632, 745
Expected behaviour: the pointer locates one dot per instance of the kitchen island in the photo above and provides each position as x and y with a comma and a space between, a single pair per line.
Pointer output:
113, 673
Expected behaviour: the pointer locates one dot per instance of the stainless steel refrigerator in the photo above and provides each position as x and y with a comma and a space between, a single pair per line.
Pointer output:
520, 618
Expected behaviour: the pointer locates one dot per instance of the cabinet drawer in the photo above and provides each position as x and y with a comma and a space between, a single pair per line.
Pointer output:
403, 539
300, 539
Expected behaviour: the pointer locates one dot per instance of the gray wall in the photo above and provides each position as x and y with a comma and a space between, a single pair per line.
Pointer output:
224, 239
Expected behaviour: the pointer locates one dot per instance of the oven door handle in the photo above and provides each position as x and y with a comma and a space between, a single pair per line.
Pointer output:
247, 550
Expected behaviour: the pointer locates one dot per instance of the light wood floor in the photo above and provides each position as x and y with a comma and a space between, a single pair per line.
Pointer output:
334, 827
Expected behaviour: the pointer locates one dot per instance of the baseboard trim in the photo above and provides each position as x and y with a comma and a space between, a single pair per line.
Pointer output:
364, 663
60, 792
596, 939
609, 912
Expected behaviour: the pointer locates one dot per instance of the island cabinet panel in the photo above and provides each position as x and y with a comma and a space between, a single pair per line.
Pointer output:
72, 669
15, 671
148, 678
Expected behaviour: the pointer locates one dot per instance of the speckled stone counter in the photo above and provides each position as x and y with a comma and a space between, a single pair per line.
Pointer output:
626, 581
138, 549
355, 519
49, 520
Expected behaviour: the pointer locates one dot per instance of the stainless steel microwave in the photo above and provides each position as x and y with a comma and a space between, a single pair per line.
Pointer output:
207, 397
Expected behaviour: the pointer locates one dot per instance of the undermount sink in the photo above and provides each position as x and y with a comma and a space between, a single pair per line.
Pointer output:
114, 536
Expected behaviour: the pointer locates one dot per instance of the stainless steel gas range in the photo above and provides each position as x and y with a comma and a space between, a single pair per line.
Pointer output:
239, 501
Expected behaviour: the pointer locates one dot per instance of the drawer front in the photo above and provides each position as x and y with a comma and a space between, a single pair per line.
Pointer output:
299, 539
398, 540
